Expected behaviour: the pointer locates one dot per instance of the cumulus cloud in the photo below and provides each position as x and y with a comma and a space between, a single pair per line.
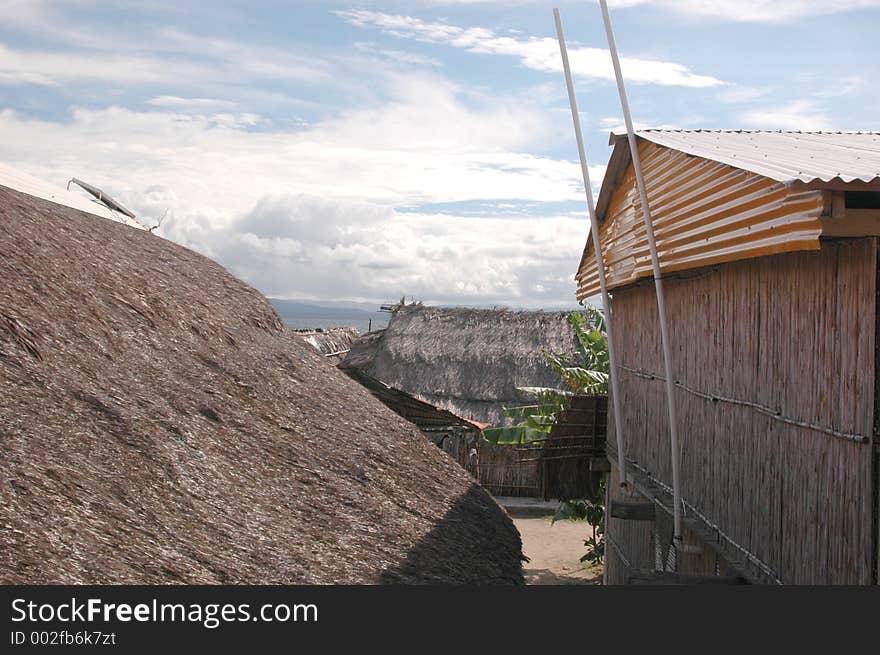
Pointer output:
176, 102
797, 115
757, 11
423, 145
332, 210
541, 54
133, 60
304, 246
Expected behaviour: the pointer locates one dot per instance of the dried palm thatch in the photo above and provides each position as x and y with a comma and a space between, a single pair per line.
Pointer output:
333, 343
468, 361
158, 424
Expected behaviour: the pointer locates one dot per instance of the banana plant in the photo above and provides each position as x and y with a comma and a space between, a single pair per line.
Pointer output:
584, 373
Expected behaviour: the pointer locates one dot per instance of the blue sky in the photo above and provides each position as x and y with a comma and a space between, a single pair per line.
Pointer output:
367, 150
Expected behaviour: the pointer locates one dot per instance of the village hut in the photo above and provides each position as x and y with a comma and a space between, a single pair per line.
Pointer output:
158, 424
768, 244
470, 363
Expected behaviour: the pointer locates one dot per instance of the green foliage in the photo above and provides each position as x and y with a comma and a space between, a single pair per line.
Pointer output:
586, 372
535, 420
594, 514
589, 372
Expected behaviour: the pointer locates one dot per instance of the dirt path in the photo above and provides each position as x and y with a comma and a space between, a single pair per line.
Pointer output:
554, 550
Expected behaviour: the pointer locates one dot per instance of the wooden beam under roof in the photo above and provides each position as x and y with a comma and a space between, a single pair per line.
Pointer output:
838, 220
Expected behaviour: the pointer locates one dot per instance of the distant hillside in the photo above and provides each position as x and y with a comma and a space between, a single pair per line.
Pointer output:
299, 309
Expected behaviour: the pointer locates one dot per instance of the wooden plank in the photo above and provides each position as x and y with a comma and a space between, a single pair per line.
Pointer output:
856, 223
838, 204
859, 213
826, 203
632, 511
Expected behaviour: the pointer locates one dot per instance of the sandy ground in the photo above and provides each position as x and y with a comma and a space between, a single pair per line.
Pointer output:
554, 550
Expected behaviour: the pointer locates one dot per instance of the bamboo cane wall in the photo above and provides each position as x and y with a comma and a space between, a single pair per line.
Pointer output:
703, 213
632, 545
794, 333
503, 470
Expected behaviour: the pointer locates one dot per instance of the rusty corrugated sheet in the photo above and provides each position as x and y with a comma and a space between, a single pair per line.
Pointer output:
704, 212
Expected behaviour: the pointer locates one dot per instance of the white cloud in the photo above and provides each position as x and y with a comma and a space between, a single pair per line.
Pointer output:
397, 56
837, 87
57, 67
739, 94
53, 68
616, 124
176, 102
732, 10
303, 246
798, 115
759, 11
423, 145
311, 212
540, 54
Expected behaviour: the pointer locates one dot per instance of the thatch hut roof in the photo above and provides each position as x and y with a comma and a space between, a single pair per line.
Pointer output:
468, 361
158, 424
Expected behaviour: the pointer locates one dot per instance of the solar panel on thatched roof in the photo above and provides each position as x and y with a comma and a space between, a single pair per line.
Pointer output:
102, 197
14, 179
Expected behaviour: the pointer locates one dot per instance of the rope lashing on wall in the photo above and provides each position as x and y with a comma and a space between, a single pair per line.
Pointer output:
762, 409
618, 551
720, 534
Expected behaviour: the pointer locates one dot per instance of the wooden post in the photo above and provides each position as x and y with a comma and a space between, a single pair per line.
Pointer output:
597, 247
658, 279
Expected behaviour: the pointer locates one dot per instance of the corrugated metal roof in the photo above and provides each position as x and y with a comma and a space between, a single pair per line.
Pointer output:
33, 186
704, 212
781, 156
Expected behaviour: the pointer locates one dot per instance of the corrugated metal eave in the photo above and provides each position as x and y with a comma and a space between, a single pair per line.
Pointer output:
782, 156
705, 213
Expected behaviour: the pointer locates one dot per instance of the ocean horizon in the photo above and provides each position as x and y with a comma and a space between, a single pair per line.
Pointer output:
362, 325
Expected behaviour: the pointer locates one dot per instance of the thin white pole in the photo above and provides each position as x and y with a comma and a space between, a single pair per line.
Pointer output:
597, 246
658, 278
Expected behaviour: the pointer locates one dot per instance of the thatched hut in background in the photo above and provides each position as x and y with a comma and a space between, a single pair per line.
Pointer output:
468, 362
158, 424
769, 247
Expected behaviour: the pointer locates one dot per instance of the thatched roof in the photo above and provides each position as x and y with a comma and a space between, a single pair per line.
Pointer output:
333, 343
468, 361
158, 424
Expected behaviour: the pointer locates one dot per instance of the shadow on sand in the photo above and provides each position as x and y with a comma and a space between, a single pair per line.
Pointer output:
475, 543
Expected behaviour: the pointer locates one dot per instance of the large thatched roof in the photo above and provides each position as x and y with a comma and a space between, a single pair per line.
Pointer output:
158, 424
468, 361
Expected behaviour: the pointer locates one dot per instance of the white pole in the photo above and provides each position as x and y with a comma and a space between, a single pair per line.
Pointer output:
658, 279
597, 246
